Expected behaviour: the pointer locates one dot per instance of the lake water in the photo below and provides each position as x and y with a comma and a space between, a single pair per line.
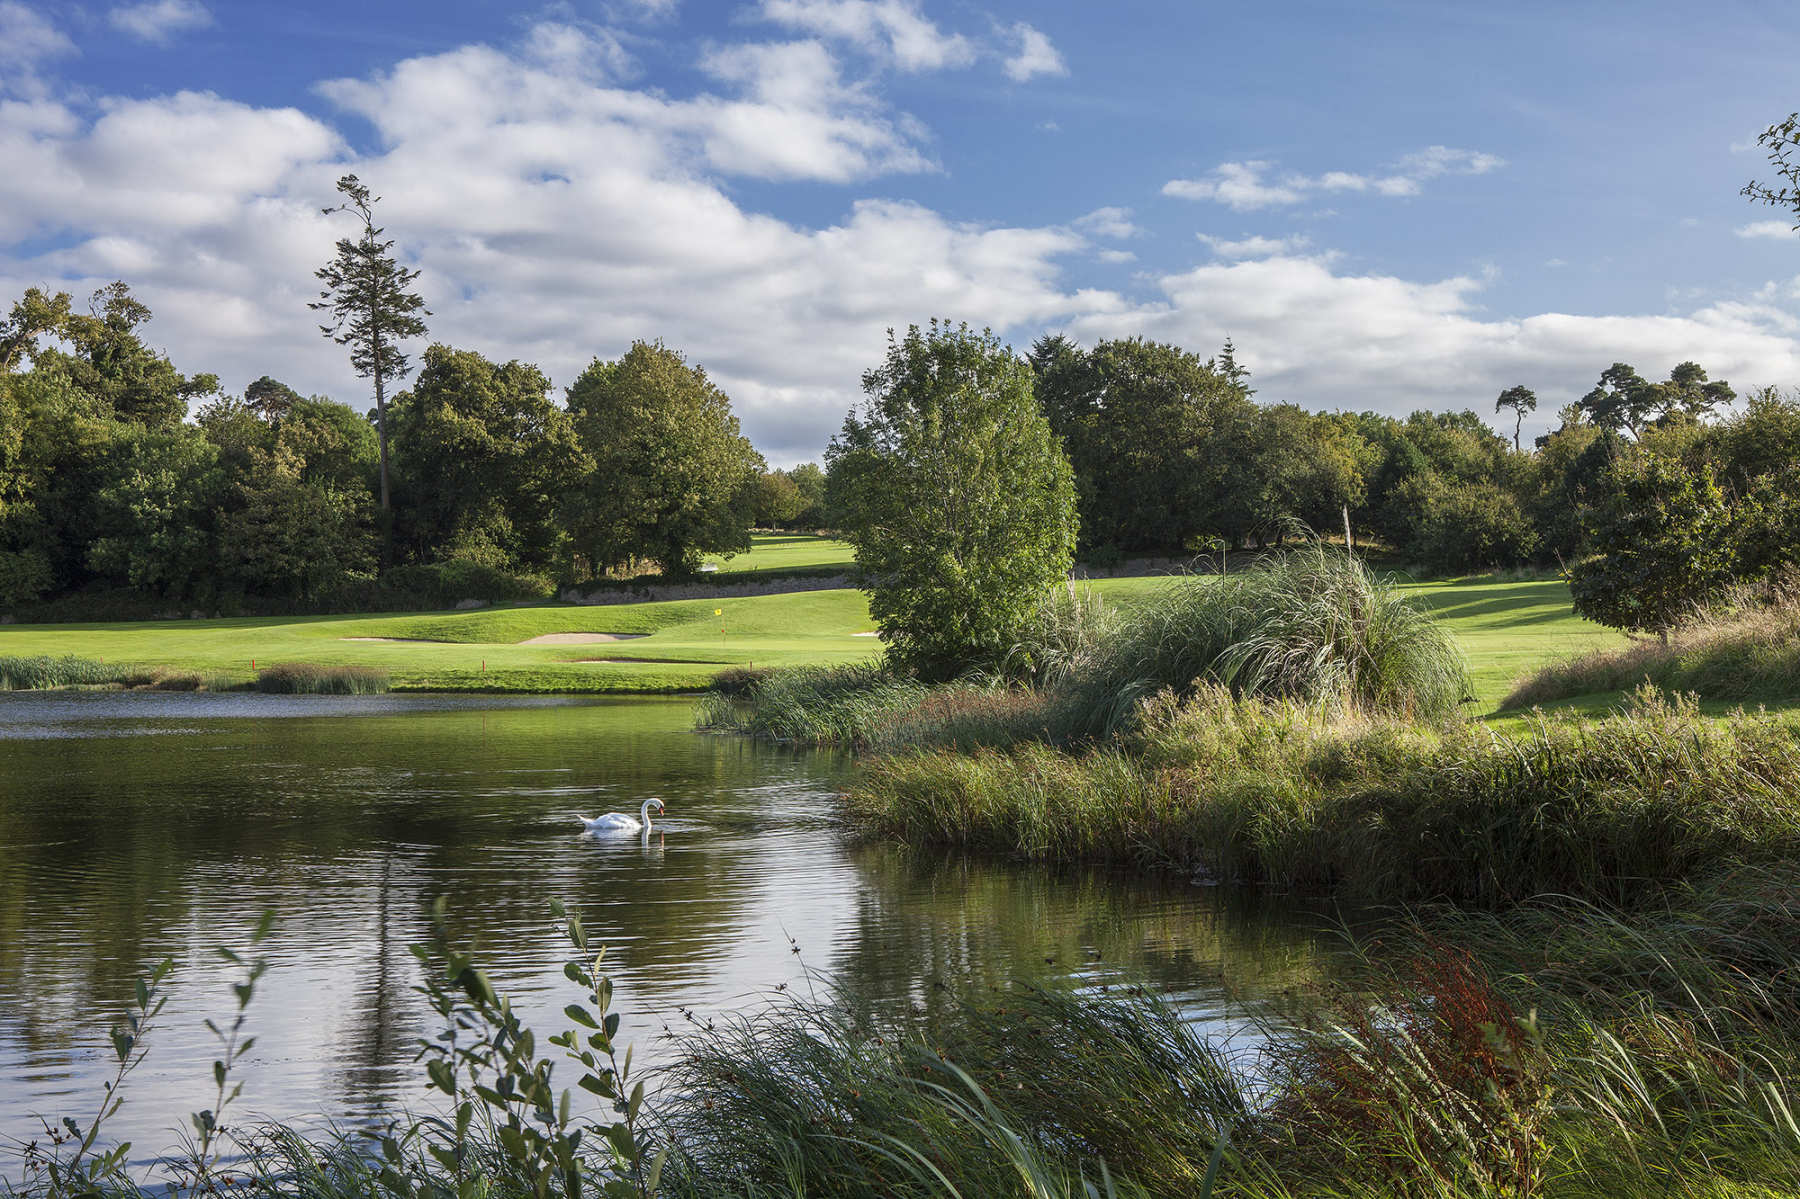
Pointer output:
139, 826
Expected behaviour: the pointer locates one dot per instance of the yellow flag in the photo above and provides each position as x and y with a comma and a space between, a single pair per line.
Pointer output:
718, 611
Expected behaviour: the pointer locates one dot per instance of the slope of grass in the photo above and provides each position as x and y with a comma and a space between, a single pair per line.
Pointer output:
787, 551
1745, 651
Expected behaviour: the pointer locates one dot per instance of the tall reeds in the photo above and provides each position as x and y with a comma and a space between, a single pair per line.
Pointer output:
1373, 808
306, 678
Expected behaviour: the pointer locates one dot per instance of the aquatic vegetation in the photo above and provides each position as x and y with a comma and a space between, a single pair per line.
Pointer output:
1276, 792
36, 673
1569, 1051
1314, 626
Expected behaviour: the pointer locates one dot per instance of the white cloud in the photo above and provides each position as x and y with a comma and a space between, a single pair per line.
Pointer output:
1238, 185
1329, 340
893, 29
159, 20
557, 214
1775, 229
1241, 185
1255, 246
1108, 222
1035, 55
27, 40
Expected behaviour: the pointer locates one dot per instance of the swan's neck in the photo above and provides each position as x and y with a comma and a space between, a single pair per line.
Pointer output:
644, 815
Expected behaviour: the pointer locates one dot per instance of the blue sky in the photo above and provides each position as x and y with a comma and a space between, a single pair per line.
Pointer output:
1387, 206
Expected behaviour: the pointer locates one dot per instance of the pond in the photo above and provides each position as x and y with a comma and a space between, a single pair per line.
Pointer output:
135, 826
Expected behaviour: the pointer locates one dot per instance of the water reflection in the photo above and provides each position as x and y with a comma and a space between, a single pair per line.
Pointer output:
138, 826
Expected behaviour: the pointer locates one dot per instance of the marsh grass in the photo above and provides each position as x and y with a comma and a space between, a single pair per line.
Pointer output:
1744, 648
813, 705
305, 678
1372, 808
39, 673
45, 673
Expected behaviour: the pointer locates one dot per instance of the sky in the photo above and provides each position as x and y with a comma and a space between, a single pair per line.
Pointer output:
1385, 205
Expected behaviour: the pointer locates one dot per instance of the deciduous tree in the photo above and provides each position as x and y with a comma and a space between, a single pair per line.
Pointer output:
956, 496
671, 472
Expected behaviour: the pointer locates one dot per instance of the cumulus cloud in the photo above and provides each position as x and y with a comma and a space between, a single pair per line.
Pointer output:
1775, 229
892, 29
1323, 339
1242, 187
160, 20
1034, 55
557, 214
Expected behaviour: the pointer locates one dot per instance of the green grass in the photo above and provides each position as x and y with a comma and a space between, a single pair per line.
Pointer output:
681, 647
787, 551
1505, 629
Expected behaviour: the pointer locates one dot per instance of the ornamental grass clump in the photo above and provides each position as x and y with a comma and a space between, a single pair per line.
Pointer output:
1315, 625
39, 673
812, 705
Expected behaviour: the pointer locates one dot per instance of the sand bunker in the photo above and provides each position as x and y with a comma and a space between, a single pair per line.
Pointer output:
865, 634
580, 638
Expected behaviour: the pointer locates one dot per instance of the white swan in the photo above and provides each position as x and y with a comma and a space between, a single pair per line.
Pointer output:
618, 822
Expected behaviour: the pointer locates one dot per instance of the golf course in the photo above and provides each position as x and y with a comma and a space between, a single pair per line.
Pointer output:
1505, 628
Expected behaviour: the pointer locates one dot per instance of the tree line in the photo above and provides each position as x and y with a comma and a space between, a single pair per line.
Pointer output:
272, 498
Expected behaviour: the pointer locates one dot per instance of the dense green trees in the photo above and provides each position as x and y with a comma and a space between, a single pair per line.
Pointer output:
484, 457
955, 494
670, 477
270, 500
1147, 428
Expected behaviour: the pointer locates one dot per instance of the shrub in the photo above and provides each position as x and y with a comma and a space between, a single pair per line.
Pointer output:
957, 497
442, 584
305, 678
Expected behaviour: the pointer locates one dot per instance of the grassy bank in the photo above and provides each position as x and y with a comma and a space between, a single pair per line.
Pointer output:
1368, 808
1502, 627
675, 646
1743, 650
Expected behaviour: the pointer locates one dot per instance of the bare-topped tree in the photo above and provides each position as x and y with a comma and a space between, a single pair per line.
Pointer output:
372, 310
